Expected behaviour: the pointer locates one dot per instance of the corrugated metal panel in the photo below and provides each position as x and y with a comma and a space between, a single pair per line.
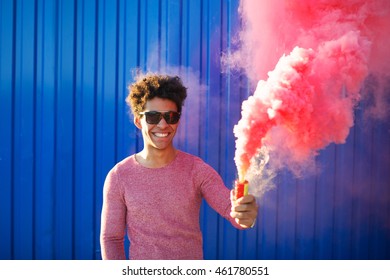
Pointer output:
64, 69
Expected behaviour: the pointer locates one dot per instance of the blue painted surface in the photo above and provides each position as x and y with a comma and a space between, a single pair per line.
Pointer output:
64, 70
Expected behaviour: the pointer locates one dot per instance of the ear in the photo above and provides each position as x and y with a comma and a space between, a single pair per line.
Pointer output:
137, 122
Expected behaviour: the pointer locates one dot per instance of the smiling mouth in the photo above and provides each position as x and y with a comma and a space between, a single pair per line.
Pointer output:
161, 135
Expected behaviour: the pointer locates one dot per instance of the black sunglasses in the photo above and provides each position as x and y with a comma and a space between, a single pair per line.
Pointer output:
154, 117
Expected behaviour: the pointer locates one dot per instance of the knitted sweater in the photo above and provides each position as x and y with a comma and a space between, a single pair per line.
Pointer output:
159, 208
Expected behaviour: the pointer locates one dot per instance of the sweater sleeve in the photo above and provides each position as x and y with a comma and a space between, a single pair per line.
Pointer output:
215, 192
113, 219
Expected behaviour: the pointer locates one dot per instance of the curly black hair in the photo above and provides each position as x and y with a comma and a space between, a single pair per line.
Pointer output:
155, 85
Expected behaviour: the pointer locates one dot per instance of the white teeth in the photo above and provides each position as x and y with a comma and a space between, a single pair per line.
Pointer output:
161, 134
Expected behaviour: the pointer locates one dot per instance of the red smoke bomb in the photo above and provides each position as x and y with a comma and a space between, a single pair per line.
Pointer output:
241, 188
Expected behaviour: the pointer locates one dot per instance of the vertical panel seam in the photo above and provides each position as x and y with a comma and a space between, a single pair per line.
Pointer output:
116, 118
34, 167
95, 85
220, 136
12, 192
314, 243
352, 232
55, 156
74, 89
159, 36
333, 241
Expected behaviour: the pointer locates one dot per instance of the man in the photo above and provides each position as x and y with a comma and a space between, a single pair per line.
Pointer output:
155, 195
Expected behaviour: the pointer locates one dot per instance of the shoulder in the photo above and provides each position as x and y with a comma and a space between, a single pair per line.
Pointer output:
184, 156
195, 161
118, 173
199, 168
124, 165
122, 169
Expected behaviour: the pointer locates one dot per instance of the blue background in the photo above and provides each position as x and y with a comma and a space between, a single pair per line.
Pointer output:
64, 70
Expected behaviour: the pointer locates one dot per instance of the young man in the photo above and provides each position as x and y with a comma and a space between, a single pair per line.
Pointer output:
155, 195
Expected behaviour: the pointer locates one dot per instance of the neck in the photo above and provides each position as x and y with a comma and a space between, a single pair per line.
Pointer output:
154, 158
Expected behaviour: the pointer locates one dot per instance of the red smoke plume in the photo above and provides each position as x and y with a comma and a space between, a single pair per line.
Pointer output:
323, 51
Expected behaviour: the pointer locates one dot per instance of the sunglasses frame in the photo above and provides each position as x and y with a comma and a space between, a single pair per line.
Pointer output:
166, 115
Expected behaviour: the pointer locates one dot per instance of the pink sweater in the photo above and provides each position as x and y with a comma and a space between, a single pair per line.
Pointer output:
159, 208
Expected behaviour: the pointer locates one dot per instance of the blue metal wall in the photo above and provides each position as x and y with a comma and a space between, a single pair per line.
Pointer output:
64, 69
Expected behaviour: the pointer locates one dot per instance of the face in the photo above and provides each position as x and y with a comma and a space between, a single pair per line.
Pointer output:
157, 136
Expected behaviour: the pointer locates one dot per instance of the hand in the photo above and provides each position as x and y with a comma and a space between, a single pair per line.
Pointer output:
244, 210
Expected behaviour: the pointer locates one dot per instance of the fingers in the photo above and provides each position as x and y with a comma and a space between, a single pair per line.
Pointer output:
245, 199
244, 203
245, 223
250, 213
244, 210
244, 207
243, 216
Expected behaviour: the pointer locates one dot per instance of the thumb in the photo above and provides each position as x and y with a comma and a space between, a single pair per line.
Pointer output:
232, 196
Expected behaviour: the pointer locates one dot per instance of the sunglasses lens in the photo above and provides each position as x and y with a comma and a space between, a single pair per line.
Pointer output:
171, 117
153, 117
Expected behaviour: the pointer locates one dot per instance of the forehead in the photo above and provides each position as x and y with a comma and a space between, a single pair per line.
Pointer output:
160, 104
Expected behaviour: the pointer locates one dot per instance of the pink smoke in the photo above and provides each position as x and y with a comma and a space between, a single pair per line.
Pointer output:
307, 100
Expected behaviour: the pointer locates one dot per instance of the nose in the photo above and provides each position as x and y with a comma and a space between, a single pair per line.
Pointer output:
163, 123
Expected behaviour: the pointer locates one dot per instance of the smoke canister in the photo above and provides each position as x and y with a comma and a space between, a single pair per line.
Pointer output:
241, 188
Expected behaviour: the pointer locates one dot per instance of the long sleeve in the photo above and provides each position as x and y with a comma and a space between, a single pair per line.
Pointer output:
215, 192
113, 219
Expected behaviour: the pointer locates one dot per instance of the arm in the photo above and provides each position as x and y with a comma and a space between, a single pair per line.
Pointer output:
241, 213
113, 219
